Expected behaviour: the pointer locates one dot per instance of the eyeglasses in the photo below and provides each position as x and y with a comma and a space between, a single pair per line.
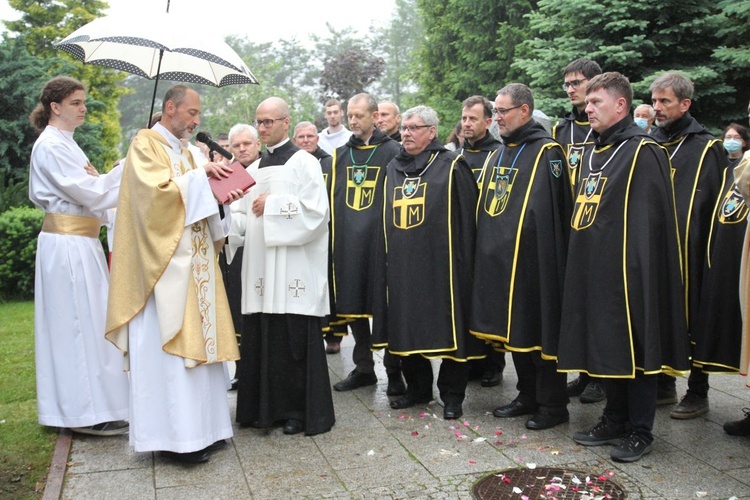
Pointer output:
501, 112
268, 122
413, 128
573, 83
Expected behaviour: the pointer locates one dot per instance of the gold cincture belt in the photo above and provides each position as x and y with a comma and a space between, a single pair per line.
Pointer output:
71, 224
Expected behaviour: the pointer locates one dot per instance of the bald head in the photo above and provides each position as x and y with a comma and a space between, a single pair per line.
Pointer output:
389, 119
272, 118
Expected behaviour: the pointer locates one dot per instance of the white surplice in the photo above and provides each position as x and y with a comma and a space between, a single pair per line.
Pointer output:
174, 407
79, 376
285, 262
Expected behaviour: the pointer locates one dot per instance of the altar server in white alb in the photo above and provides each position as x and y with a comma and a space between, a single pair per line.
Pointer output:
284, 375
167, 306
79, 377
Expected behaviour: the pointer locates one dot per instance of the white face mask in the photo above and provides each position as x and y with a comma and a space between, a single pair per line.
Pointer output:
733, 146
641, 122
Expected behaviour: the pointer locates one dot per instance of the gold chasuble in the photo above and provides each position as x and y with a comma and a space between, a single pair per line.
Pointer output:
156, 254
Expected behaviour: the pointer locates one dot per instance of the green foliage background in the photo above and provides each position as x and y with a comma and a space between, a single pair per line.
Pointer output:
19, 228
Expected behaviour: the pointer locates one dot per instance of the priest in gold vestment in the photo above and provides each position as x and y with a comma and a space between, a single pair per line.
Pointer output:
167, 310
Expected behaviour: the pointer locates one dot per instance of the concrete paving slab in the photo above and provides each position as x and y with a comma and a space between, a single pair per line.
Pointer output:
292, 483
675, 474
236, 490
386, 472
377, 452
100, 454
110, 485
222, 467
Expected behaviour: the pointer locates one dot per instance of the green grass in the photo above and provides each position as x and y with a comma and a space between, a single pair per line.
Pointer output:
25, 446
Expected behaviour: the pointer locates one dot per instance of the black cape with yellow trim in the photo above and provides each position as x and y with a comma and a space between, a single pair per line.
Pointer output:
523, 223
356, 219
717, 336
427, 255
575, 134
698, 163
622, 306
476, 154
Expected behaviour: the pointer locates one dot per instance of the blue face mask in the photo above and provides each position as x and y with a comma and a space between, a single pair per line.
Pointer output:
641, 122
733, 146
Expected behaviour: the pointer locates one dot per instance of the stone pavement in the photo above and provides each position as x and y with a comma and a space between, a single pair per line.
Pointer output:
376, 452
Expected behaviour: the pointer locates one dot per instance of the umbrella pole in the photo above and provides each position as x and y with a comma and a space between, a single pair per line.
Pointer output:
156, 84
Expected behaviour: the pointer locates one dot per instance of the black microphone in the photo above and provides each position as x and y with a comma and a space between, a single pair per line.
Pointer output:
206, 139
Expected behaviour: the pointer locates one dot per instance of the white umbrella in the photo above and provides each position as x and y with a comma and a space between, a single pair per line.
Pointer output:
159, 46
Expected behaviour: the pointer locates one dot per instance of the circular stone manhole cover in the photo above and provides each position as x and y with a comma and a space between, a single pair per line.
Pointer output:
549, 483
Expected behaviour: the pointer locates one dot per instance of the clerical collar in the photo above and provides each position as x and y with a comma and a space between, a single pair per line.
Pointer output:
173, 141
273, 148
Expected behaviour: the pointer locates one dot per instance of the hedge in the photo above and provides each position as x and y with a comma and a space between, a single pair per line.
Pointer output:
19, 228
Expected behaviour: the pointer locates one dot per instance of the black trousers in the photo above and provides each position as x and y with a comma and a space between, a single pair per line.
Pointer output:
539, 382
452, 378
362, 352
697, 382
632, 402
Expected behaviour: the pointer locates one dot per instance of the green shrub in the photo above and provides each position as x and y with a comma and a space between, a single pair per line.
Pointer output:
19, 228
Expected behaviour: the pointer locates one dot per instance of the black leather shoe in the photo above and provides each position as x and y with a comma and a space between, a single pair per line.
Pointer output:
293, 426
514, 409
194, 457
690, 406
409, 400
234, 383
492, 379
396, 385
544, 420
355, 380
218, 445
452, 411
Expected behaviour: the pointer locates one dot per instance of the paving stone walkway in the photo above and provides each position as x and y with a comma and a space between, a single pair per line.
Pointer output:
376, 452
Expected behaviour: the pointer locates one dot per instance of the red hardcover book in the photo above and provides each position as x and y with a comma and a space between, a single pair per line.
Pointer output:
238, 179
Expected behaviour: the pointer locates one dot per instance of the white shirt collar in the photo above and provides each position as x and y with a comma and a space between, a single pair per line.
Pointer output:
173, 141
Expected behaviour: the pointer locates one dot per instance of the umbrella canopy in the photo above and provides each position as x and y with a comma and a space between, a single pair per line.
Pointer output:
158, 46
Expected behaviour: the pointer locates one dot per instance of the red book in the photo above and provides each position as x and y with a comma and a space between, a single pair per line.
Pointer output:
238, 179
